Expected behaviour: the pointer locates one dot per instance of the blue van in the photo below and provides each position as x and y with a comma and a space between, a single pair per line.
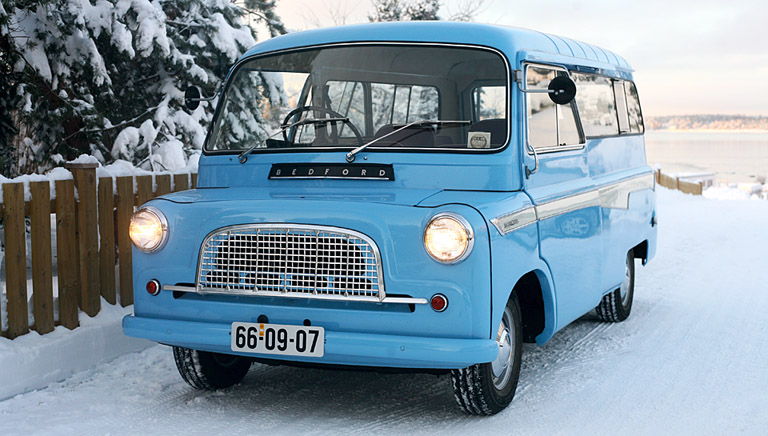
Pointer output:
419, 195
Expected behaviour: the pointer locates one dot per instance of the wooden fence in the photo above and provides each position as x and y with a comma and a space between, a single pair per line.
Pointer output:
91, 239
695, 188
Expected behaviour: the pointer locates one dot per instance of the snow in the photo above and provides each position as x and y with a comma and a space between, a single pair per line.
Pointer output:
33, 361
85, 159
691, 359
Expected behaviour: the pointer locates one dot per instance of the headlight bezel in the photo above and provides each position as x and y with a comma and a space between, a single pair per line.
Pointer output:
165, 230
469, 233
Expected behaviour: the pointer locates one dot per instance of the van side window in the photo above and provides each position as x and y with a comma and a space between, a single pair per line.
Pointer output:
403, 104
549, 124
621, 105
489, 102
348, 99
597, 108
633, 109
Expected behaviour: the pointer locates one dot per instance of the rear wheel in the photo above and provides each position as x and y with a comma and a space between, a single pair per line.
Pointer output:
487, 388
210, 371
616, 306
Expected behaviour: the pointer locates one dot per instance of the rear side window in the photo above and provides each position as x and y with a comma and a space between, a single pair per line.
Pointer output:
597, 107
549, 124
633, 109
489, 102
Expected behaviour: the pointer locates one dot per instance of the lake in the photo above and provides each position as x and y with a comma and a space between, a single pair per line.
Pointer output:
733, 156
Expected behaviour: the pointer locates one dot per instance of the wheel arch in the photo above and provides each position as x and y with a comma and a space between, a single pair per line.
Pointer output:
536, 298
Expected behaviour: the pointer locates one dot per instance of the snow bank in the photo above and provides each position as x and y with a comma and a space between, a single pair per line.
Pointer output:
33, 361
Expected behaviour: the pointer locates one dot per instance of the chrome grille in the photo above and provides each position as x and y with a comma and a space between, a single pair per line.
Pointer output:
299, 260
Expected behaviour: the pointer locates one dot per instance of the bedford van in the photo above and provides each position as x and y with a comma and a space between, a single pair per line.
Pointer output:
418, 196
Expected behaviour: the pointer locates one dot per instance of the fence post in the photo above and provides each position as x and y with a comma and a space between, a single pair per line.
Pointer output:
15, 260
87, 223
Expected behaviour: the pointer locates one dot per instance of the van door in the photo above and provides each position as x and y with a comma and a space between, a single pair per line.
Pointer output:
566, 201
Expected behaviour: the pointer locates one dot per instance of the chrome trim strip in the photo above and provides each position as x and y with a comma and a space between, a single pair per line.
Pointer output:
368, 240
612, 196
560, 206
515, 220
617, 196
390, 300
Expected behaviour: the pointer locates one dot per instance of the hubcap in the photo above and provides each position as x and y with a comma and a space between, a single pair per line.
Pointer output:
501, 366
624, 289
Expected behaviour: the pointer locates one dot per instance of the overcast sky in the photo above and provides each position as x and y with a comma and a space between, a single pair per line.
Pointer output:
690, 56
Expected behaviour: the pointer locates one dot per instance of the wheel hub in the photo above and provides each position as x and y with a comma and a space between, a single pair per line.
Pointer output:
624, 288
501, 366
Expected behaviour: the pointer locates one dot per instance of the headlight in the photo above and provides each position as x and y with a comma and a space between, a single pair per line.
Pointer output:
148, 229
448, 238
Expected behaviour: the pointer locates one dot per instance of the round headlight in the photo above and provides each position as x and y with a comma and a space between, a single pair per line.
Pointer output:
448, 238
148, 229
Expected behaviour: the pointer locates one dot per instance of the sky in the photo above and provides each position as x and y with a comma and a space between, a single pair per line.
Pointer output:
689, 56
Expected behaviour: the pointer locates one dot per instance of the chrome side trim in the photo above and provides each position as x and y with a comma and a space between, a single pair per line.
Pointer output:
617, 196
612, 196
515, 220
560, 206
391, 300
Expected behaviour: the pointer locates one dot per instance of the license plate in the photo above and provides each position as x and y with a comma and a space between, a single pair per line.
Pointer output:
286, 340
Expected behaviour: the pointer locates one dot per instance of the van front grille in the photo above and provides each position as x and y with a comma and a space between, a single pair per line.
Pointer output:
299, 260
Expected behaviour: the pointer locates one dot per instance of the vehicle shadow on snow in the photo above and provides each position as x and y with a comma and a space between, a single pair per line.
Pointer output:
288, 392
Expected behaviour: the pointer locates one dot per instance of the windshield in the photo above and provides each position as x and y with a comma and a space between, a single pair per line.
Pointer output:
346, 96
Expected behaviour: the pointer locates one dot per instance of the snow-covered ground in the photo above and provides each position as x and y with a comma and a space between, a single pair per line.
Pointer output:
691, 359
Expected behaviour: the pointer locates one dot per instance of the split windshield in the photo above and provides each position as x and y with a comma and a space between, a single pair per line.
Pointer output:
341, 97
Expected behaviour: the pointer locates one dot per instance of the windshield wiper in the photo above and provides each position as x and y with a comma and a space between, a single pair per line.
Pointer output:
243, 157
419, 123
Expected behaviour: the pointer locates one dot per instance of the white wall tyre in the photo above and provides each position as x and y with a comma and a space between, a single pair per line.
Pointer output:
487, 388
616, 305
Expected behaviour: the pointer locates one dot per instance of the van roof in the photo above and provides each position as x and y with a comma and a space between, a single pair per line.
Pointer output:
510, 40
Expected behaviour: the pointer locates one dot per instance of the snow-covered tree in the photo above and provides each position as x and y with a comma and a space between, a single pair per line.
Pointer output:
399, 10
107, 77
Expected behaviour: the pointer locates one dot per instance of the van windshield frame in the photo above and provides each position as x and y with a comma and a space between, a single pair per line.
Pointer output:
430, 85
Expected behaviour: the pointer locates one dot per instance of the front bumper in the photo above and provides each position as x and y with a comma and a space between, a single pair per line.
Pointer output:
341, 348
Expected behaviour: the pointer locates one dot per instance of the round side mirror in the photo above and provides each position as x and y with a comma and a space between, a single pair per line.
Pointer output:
562, 90
192, 98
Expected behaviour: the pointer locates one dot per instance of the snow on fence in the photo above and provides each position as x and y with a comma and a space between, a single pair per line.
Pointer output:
679, 183
92, 244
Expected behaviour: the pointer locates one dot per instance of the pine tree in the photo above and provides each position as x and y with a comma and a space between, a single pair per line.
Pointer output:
107, 77
397, 10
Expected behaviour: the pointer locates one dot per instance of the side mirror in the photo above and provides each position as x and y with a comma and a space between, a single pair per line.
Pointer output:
192, 98
562, 90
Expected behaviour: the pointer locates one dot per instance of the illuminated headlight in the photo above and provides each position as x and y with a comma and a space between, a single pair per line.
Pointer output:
448, 238
148, 229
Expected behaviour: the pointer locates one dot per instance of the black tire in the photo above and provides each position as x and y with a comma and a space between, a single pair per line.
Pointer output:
616, 305
476, 389
210, 371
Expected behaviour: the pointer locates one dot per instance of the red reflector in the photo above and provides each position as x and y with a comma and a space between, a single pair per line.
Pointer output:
438, 302
153, 287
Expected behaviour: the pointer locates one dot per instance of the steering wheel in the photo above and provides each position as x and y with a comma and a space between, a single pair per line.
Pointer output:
330, 112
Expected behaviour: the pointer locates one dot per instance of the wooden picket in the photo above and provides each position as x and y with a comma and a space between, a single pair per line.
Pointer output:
91, 218
695, 188
107, 234
42, 261
15, 259
67, 254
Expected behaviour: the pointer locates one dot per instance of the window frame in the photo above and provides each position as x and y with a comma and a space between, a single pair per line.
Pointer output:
206, 151
623, 82
530, 149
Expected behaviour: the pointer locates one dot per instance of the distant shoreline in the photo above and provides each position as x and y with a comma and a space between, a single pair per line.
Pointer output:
708, 130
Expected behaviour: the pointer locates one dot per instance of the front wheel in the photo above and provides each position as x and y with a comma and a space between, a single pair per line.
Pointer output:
616, 305
210, 371
487, 388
